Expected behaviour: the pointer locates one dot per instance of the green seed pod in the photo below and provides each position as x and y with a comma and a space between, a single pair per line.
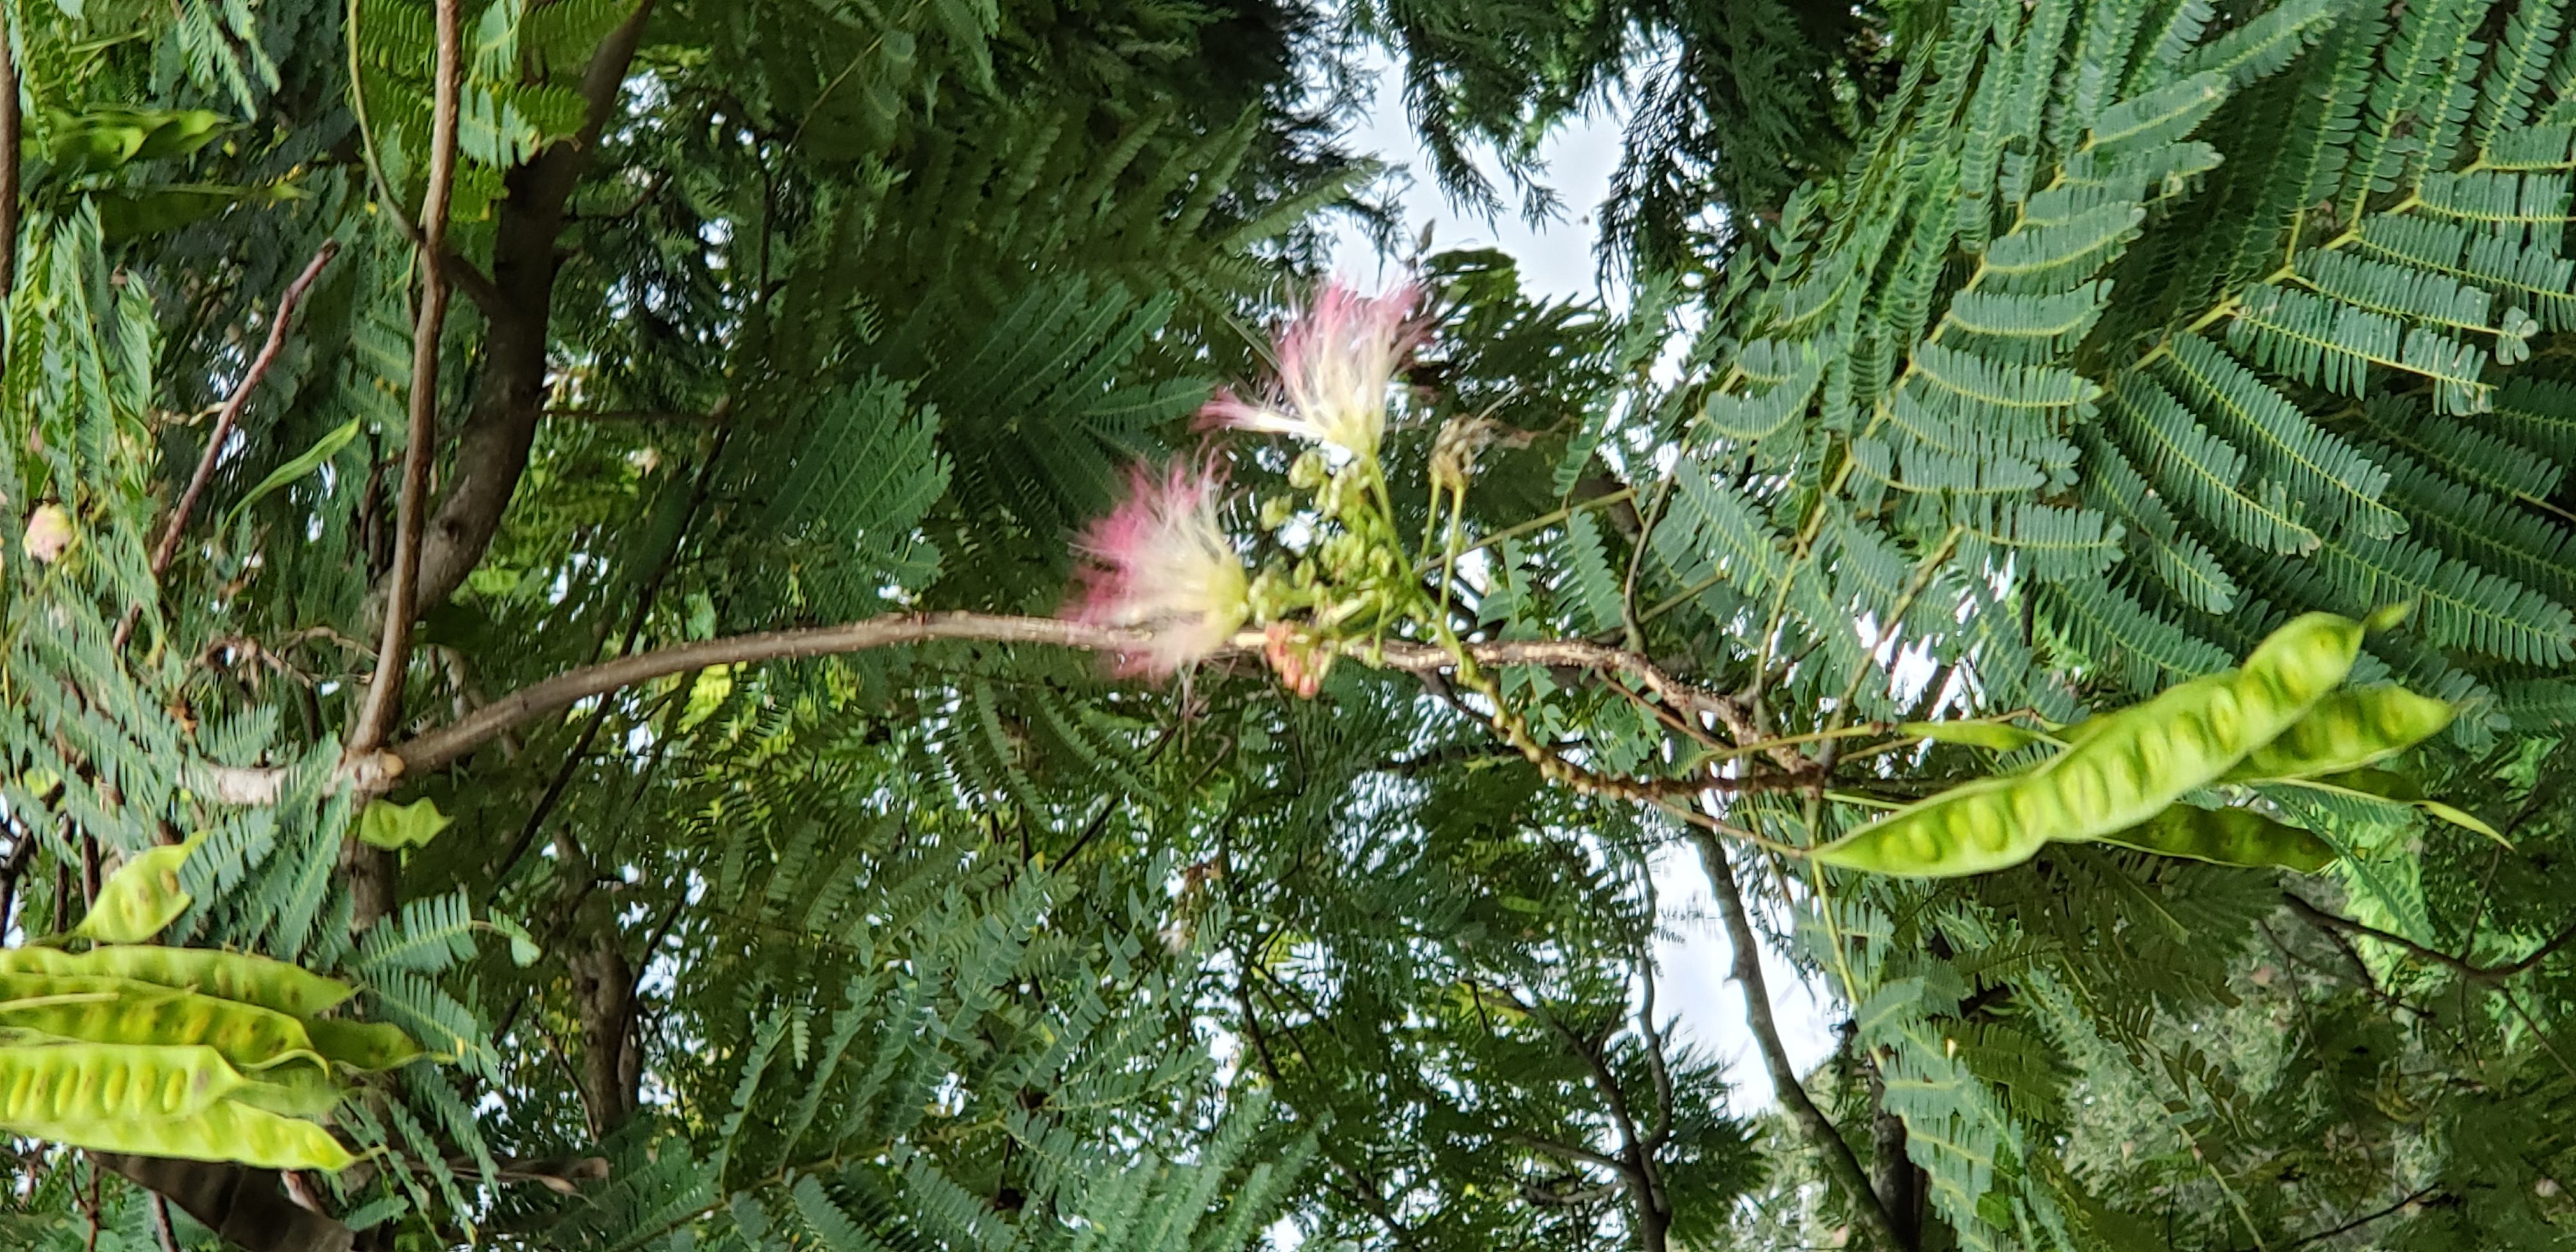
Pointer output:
369, 1046
2307, 657
1969, 829
141, 898
102, 1081
120, 1011
2347, 730
2126, 768
292, 1091
224, 1131
238, 976
2227, 837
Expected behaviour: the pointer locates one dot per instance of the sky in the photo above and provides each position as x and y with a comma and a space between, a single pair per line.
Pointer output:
1556, 260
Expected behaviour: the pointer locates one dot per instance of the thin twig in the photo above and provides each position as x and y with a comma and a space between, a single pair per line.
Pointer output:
645, 596
230, 414
375, 720
2363, 1220
2489, 974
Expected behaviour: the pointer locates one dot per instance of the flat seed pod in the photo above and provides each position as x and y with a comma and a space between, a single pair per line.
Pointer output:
2125, 768
255, 980
369, 1046
101, 1081
291, 1091
2307, 657
2345, 731
1969, 829
140, 1013
2227, 837
141, 898
225, 1131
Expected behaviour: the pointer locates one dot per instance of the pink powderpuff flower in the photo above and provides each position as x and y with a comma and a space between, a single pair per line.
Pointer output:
1161, 563
1336, 360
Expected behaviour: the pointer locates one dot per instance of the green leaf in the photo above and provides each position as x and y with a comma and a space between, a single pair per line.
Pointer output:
306, 462
2000, 736
524, 951
391, 826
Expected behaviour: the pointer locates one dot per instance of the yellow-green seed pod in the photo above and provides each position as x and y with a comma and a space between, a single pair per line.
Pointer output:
1969, 829
2227, 837
257, 980
2123, 769
369, 1046
104, 1081
122, 1011
141, 898
2347, 730
2307, 657
225, 1131
298, 1090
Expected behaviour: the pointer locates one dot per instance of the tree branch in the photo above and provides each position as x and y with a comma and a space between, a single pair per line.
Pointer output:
230, 415
377, 770
1819, 1130
13, 126
2366, 1218
1567, 1151
509, 385
2490, 975
376, 716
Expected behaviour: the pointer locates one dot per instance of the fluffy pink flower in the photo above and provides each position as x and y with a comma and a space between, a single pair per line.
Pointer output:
1336, 360
1161, 563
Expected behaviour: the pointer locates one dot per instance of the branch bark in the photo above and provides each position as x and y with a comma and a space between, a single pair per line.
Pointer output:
1891, 1172
377, 771
508, 400
376, 716
13, 127
1813, 1125
230, 415
2489, 975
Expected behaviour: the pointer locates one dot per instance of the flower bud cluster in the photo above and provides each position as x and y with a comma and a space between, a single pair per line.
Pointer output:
1162, 563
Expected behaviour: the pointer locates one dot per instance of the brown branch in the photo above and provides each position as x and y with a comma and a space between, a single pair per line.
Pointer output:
1818, 1130
230, 414
393, 657
13, 126
2490, 975
448, 743
2365, 1219
377, 770
715, 418
1567, 1151
508, 399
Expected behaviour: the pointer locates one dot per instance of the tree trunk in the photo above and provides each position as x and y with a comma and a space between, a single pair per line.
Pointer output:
509, 388
1891, 1173
244, 1206
612, 1069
